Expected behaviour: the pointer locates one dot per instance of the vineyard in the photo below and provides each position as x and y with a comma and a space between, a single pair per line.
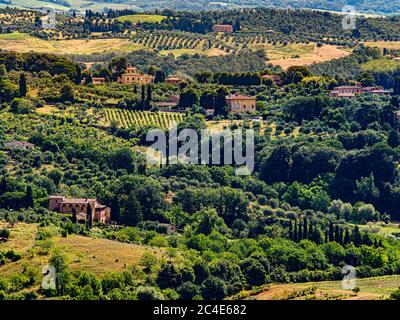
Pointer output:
129, 118
218, 44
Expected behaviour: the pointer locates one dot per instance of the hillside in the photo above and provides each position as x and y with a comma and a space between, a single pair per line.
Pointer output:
374, 7
378, 288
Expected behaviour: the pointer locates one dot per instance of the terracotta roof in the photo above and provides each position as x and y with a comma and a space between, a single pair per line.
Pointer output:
238, 96
72, 201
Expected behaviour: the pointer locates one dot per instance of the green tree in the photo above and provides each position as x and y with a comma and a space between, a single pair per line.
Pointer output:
213, 289
132, 211
63, 277
396, 87
23, 90
188, 291
89, 216
29, 202
67, 93
393, 139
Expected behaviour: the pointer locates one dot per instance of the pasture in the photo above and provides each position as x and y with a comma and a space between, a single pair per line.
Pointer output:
142, 18
378, 288
20, 42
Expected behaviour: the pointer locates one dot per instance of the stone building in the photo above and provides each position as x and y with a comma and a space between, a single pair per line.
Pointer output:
350, 92
222, 28
98, 81
133, 76
239, 103
174, 80
99, 213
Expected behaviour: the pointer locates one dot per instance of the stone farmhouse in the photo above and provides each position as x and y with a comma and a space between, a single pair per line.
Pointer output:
99, 213
174, 80
222, 28
98, 81
132, 76
239, 103
350, 92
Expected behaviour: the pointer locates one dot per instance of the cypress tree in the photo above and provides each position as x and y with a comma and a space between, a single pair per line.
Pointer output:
396, 87
74, 220
300, 236
89, 217
290, 230
331, 232
23, 90
3, 185
357, 239
78, 75
311, 232
149, 97
346, 237
295, 238
115, 210
29, 203
393, 139
305, 229
337, 234
143, 97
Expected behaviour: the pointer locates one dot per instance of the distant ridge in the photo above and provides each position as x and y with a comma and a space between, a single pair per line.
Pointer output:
378, 7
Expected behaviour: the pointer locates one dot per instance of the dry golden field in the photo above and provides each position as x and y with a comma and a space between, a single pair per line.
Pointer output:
25, 43
369, 289
305, 55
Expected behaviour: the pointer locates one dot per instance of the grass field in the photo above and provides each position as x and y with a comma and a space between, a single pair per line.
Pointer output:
136, 18
382, 228
279, 54
384, 44
22, 237
219, 125
101, 255
381, 65
83, 253
370, 289
20, 42
303, 54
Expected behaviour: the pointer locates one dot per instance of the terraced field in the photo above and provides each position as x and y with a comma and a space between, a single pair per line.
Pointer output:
369, 289
128, 118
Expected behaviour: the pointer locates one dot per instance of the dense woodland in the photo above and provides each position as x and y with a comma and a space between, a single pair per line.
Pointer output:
326, 175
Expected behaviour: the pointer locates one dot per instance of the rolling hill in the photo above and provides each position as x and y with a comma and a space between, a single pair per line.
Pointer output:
364, 6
